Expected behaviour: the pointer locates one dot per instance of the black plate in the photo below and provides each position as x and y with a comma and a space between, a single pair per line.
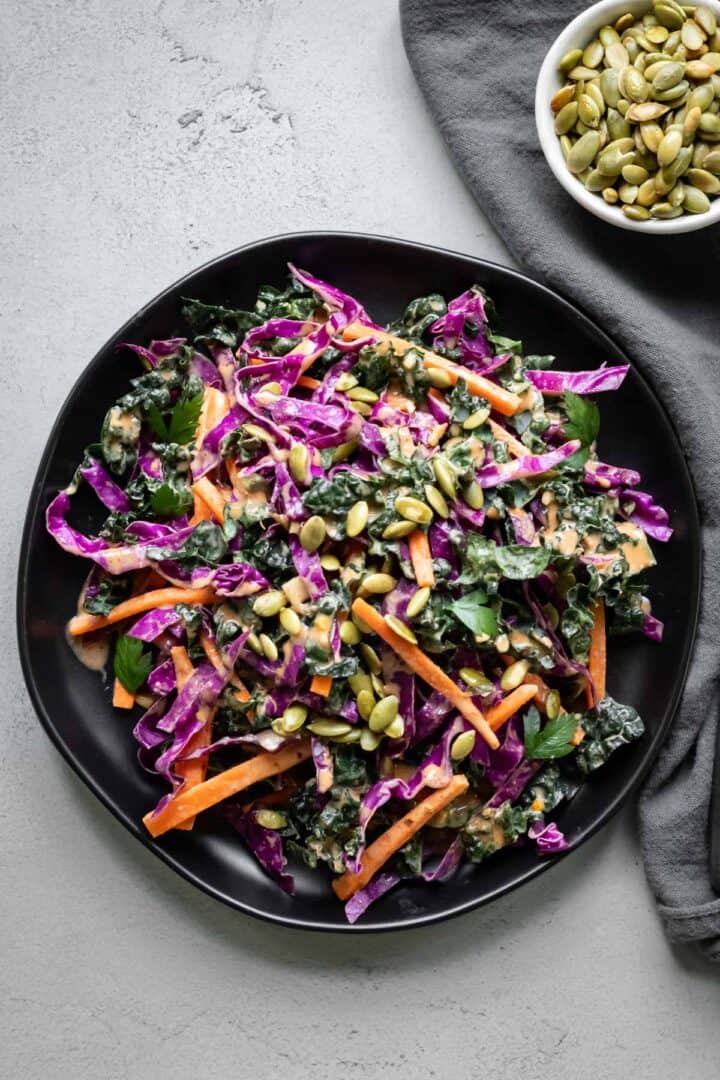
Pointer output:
74, 704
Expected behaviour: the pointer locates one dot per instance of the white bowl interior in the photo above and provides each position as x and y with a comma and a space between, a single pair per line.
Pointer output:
576, 35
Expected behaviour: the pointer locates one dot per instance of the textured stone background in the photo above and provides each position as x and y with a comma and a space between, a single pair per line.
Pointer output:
139, 141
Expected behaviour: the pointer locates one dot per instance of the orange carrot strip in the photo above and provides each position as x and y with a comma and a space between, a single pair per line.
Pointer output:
214, 407
421, 558
193, 801
212, 496
84, 624
321, 684
193, 771
201, 511
436, 434
308, 382
122, 698
405, 442
423, 666
497, 715
399, 401
378, 853
597, 664
502, 400
213, 654
514, 445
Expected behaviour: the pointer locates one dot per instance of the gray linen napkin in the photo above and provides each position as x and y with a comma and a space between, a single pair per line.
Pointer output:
476, 62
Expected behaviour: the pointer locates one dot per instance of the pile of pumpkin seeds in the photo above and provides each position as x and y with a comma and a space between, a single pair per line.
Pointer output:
639, 115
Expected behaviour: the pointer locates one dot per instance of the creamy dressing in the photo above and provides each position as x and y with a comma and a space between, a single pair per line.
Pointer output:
92, 651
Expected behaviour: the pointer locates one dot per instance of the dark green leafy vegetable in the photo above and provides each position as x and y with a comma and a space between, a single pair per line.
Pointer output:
132, 663
607, 728
554, 740
470, 609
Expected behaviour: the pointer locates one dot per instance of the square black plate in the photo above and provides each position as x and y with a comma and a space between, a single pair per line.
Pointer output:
74, 704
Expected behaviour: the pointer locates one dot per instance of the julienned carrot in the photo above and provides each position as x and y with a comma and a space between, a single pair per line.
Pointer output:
213, 654
215, 406
394, 838
514, 445
421, 558
122, 698
85, 624
423, 666
497, 715
436, 434
187, 803
597, 664
399, 401
193, 771
201, 510
212, 496
321, 684
308, 382
405, 442
502, 400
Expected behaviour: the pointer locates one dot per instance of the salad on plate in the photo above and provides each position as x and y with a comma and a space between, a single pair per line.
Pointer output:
359, 579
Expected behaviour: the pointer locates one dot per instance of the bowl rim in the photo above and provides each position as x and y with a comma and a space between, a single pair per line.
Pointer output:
35, 509
548, 78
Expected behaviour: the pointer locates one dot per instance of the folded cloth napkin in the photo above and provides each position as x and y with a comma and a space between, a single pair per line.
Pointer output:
477, 62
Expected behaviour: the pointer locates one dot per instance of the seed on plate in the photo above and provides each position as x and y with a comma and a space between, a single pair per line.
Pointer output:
587, 111
570, 60
475, 679
474, 495
365, 702
269, 603
290, 622
378, 686
609, 35
675, 95
438, 378
294, 717
610, 195
369, 740
397, 529
597, 181
636, 213
396, 729
330, 562
668, 75
557, 102
612, 162
349, 633
378, 584
299, 462
692, 37
361, 393
690, 123
634, 174
664, 211
656, 35
641, 112
706, 19
609, 87
383, 713
436, 500
553, 703
628, 193
710, 123
253, 642
345, 381
445, 476
463, 745
669, 148
514, 675
669, 15
359, 681
676, 195
417, 602
329, 729
313, 533
401, 628
475, 419
702, 97
593, 54
371, 658
269, 648
352, 736
357, 518
582, 73
616, 55
594, 91
711, 162
632, 85
344, 451
413, 509
270, 819
695, 201
360, 407
583, 152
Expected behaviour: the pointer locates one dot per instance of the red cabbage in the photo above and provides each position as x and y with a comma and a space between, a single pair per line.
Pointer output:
275, 328
638, 507
652, 627
523, 467
265, 844
514, 785
154, 623
548, 838
597, 471
309, 569
238, 579
161, 679
286, 499
324, 767
579, 382
206, 370
107, 491
462, 328
358, 904
158, 350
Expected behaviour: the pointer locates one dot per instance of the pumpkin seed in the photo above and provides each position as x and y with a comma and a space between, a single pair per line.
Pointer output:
445, 476
437, 501
587, 111
641, 112
677, 194
512, 676
475, 419
593, 54
269, 603
268, 647
290, 622
357, 518
564, 121
704, 180
711, 162
417, 602
299, 462
598, 181
656, 35
365, 702
475, 679
669, 16
361, 393
401, 629
674, 93
463, 745
690, 123
702, 97
270, 819
553, 703
710, 122
294, 717
345, 381
378, 584
583, 152
634, 174
369, 740
618, 127
397, 529
610, 195
330, 562
353, 736
329, 729
383, 713
609, 86
664, 211
439, 378
616, 55
349, 633
592, 89
632, 85
474, 495
672, 42
692, 36
371, 658
360, 623
612, 162
377, 685
669, 148
581, 73
359, 681
668, 75
344, 451
628, 193
621, 24
413, 509
706, 19
253, 642
313, 533
570, 60
695, 201
360, 407
396, 730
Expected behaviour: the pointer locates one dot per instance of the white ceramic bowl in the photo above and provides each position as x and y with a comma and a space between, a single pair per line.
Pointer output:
576, 35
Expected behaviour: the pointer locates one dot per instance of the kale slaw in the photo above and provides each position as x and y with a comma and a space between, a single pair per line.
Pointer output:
464, 530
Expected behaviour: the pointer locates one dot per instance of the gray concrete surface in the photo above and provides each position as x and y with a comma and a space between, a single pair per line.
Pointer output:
140, 140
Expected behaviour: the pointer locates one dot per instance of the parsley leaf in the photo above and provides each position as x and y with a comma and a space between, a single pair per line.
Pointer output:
170, 502
132, 664
184, 420
156, 422
583, 421
554, 739
470, 610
